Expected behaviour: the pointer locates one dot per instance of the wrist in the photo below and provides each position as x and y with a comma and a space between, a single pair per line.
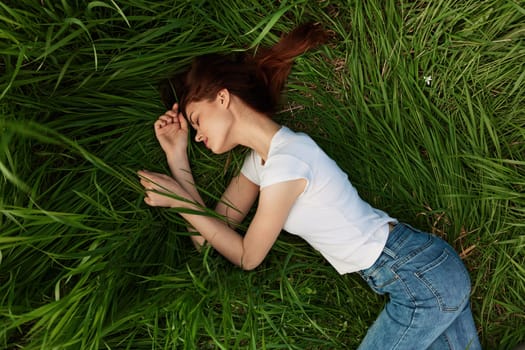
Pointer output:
176, 156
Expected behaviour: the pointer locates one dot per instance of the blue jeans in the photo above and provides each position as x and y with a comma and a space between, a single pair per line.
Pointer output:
428, 288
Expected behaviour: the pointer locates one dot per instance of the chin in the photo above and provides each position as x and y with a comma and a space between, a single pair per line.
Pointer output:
222, 150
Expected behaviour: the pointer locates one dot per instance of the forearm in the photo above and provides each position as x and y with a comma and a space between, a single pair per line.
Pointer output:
237, 200
233, 216
180, 169
181, 172
217, 233
248, 250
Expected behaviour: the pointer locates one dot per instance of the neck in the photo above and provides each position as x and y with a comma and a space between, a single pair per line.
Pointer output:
253, 129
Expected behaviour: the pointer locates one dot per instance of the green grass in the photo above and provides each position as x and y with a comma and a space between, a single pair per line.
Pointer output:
84, 264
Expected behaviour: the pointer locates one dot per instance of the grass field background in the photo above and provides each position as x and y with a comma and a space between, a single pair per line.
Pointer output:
422, 103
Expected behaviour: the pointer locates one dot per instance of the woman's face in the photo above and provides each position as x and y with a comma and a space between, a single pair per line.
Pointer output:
212, 121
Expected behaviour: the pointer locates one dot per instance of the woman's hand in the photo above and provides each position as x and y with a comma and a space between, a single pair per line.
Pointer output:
161, 190
171, 130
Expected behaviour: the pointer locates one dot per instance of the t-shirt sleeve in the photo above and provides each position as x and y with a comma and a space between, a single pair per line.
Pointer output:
285, 167
250, 168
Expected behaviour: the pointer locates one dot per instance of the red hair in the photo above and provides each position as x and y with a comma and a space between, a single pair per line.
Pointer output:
257, 79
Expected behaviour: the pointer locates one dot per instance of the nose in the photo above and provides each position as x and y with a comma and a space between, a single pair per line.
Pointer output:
198, 137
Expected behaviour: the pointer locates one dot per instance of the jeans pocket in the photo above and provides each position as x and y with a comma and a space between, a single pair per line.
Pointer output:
448, 280
381, 276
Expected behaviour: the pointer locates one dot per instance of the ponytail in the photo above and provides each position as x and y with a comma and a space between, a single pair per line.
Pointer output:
275, 63
257, 79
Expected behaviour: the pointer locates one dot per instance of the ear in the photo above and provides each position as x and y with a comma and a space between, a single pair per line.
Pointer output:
223, 97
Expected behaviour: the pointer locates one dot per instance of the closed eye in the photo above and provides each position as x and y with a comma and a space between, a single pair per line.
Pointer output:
193, 123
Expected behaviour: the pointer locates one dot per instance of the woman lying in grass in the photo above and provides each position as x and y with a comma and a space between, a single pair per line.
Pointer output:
229, 100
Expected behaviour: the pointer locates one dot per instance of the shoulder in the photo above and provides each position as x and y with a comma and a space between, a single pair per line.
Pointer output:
290, 158
286, 136
293, 144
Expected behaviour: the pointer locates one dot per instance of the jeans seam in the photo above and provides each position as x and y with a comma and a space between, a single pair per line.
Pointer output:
447, 340
412, 316
400, 239
420, 275
411, 255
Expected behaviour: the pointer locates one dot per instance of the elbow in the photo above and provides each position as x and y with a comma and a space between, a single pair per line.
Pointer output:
252, 257
249, 265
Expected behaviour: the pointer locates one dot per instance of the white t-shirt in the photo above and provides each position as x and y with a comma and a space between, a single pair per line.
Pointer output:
329, 214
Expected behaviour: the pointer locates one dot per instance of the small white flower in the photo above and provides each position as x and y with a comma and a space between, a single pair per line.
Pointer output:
428, 80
